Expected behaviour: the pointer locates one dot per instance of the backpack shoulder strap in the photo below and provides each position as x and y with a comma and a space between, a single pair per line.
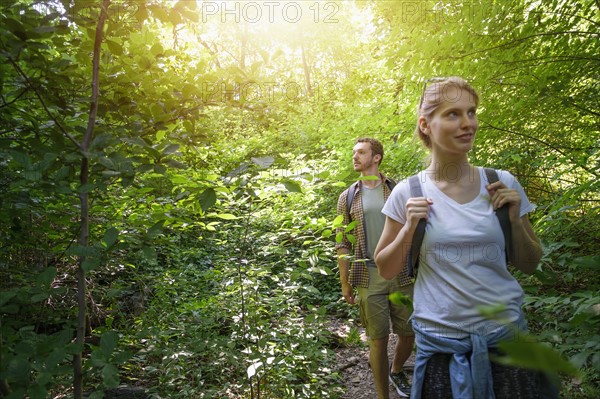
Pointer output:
415, 249
351, 192
502, 214
390, 183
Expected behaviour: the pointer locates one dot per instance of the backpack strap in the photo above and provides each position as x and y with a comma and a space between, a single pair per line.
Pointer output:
351, 192
390, 183
502, 214
415, 249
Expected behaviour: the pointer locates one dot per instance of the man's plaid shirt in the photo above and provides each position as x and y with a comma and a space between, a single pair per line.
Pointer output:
359, 274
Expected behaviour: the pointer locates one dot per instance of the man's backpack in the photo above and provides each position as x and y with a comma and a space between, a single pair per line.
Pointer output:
352, 191
415, 191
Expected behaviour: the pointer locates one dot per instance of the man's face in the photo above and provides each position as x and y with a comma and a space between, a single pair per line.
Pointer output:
362, 157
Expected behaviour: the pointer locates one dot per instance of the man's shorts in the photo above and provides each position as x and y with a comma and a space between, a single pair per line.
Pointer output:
376, 311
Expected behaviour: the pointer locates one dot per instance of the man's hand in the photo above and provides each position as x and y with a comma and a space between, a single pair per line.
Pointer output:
348, 293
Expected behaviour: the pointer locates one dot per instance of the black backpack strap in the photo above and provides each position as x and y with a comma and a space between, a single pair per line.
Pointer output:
502, 214
390, 183
415, 249
351, 192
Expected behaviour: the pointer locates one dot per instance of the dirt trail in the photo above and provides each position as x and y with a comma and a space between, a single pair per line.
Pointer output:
354, 363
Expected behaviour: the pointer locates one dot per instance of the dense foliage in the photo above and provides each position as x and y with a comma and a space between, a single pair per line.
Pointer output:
188, 209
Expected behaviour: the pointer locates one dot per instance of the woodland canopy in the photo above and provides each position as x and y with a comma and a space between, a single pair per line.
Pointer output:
169, 172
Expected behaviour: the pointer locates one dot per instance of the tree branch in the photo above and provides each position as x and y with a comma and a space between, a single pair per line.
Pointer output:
522, 39
558, 150
39, 96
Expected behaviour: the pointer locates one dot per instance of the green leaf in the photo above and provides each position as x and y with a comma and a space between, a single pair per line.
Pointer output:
37, 391
136, 141
6, 296
110, 236
292, 186
263, 162
39, 297
588, 262
337, 222
110, 376
32, 175
159, 12
171, 149
226, 216
46, 277
108, 343
207, 199
370, 177
149, 253
17, 368
114, 47
492, 311
22, 159
399, 298
90, 263
57, 356
156, 229
351, 226
339, 237
580, 358
525, 352
157, 49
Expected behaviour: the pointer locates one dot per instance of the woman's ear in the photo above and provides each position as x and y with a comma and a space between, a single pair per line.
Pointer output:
423, 125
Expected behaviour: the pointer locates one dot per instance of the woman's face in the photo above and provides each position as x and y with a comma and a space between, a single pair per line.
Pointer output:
453, 124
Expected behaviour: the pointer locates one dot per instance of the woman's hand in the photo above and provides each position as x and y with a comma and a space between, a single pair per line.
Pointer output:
527, 249
502, 195
396, 238
417, 208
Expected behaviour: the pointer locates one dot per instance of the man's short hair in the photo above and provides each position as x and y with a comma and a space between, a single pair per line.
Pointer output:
376, 146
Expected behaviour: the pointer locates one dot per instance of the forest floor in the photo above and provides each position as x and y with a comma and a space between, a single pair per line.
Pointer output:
353, 361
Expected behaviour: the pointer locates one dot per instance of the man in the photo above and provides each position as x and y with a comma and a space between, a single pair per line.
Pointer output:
375, 308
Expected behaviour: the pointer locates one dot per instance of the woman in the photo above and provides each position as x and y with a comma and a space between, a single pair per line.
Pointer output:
462, 261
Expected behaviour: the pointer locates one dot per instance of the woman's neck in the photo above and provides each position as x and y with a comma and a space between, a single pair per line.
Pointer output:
450, 170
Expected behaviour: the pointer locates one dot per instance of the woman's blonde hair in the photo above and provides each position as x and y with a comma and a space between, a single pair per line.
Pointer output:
435, 92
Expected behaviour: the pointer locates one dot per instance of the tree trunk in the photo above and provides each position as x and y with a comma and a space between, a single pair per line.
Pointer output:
309, 89
84, 235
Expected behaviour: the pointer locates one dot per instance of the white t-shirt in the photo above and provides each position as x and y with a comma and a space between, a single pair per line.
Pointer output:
462, 263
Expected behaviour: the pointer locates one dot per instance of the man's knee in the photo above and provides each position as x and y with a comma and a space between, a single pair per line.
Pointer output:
379, 342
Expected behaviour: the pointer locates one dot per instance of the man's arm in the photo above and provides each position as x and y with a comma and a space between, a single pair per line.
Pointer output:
344, 249
344, 266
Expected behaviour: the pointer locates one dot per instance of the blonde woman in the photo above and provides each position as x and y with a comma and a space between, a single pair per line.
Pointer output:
462, 260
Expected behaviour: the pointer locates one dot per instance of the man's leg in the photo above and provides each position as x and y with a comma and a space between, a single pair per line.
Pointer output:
400, 315
380, 365
404, 348
375, 317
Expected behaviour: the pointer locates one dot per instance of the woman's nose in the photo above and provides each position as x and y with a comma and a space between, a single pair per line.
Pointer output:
466, 120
